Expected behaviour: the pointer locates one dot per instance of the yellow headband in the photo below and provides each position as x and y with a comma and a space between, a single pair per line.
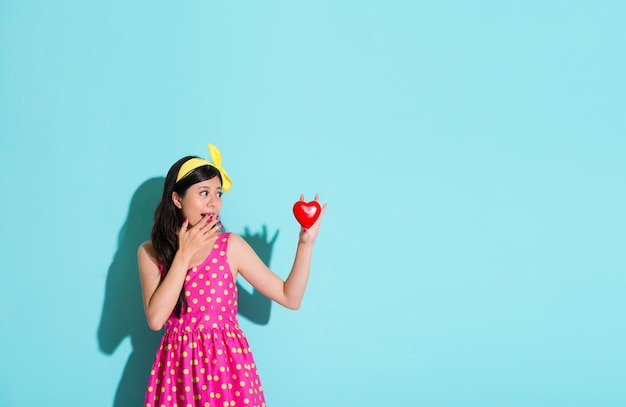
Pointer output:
194, 163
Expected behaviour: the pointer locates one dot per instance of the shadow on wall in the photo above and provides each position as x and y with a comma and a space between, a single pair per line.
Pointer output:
122, 311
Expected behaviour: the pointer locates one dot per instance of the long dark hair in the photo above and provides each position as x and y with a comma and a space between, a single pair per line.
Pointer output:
168, 218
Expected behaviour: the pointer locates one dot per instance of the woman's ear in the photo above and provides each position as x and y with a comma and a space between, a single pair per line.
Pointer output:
178, 201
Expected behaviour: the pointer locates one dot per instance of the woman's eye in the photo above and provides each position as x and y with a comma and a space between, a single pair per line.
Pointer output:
219, 194
204, 193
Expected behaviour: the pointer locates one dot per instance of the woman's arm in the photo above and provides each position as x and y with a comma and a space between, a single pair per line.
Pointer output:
288, 293
161, 295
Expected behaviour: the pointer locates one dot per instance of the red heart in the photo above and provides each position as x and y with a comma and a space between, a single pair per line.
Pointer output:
306, 213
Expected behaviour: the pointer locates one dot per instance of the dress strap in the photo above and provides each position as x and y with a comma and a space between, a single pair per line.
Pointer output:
221, 242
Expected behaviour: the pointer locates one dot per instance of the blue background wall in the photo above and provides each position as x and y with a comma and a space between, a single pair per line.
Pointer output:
472, 155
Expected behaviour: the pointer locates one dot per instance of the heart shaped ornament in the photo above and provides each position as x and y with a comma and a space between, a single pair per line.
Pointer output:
306, 213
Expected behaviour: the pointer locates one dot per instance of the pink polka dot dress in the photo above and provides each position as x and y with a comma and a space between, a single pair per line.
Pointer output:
204, 359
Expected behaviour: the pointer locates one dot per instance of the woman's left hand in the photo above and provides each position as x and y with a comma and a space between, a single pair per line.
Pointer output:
309, 235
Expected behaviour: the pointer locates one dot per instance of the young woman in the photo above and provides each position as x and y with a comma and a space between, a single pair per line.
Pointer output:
188, 271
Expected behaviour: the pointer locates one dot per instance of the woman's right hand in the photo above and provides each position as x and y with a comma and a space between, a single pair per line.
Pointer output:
192, 239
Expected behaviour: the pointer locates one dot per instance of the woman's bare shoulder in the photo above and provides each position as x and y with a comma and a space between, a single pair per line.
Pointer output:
236, 241
147, 248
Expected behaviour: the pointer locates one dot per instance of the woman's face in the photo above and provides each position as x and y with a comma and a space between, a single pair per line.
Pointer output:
201, 199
